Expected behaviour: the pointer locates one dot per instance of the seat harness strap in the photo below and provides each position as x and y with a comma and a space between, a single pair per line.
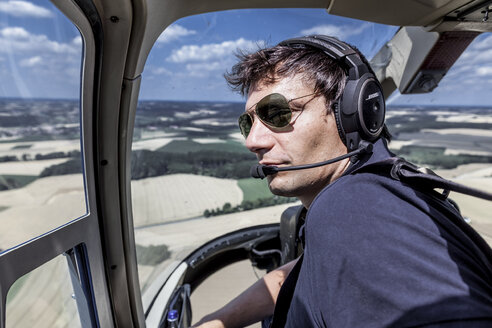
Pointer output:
420, 178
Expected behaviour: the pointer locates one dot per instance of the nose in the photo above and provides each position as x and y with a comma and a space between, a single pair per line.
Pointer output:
260, 138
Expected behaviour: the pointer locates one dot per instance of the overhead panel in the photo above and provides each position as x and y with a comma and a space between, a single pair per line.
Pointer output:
474, 16
439, 60
415, 60
391, 12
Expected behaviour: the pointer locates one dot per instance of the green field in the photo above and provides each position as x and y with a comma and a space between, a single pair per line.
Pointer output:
190, 146
254, 189
418, 121
22, 147
35, 138
15, 181
255, 195
434, 157
152, 254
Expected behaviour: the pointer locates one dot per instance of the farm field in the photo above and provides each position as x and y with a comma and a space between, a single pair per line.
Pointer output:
32, 148
52, 304
40, 207
180, 196
455, 142
28, 167
183, 237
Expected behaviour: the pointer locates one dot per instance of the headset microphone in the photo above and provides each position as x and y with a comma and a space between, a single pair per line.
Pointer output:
260, 171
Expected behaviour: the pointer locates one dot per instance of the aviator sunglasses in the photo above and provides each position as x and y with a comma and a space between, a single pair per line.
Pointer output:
272, 110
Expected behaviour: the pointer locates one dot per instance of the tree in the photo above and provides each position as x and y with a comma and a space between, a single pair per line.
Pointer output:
227, 208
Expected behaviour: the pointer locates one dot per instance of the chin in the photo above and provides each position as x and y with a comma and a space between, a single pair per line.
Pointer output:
281, 186
297, 184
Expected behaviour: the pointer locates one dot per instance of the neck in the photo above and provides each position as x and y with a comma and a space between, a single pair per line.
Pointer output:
308, 198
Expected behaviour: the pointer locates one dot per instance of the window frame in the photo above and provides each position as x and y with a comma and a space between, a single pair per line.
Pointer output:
81, 235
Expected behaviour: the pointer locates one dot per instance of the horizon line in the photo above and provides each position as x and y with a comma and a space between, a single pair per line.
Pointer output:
235, 101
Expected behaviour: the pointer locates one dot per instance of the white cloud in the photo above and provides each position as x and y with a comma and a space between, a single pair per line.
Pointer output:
14, 33
77, 41
205, 69
474, 55
30, 62
20, 8
174, 32
19, 41
161, 71
208, 52
212, 66
339, 31
474, 64
36, 58
484, 71
483, 43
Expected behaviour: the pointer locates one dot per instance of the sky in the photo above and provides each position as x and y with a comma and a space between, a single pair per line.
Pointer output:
40, 53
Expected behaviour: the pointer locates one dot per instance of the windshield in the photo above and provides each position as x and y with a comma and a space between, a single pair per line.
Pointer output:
190, 169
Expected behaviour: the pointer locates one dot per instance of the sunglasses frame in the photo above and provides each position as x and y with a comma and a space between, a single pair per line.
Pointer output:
272, 126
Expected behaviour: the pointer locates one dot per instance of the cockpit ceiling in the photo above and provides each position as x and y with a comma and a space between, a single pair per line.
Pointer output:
414, 12
468, 14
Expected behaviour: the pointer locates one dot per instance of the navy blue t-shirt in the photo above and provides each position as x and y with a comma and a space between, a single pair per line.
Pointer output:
374, 257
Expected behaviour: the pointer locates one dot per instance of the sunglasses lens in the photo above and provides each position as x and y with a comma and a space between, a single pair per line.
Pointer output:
245, 124
274, 111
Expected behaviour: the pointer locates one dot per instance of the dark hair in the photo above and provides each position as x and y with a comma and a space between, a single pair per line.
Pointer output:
271, 64
268, 65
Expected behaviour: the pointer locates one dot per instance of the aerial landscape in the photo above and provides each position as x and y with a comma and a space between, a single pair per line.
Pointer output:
190, 172
189, 160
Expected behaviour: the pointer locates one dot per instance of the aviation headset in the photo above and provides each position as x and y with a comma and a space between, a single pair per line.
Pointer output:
359, 112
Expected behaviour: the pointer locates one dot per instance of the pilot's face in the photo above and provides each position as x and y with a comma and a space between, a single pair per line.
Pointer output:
311, 137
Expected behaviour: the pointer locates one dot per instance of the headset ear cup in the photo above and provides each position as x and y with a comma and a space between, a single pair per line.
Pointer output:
336, 111
371, 110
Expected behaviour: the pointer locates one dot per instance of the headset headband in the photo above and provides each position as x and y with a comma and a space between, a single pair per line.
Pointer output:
360, 111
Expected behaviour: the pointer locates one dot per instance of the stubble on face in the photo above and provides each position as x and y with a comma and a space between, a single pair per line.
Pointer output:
311, 138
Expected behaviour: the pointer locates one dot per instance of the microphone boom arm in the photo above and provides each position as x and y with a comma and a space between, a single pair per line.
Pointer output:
261, 171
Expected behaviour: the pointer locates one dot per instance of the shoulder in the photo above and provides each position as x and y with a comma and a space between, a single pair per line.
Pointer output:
371, 243
369, 197
377, 226
371, 210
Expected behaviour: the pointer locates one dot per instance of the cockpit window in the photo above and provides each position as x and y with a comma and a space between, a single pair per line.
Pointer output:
450, 129
41, 172
190, 168
41, 181
43, 297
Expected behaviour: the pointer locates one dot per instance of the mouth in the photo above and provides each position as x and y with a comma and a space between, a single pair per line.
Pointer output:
272, 163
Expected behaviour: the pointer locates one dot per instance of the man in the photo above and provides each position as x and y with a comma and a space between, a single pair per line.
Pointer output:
374, 253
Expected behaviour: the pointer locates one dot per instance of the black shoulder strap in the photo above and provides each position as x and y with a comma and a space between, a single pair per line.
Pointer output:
285, 296
422, 178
